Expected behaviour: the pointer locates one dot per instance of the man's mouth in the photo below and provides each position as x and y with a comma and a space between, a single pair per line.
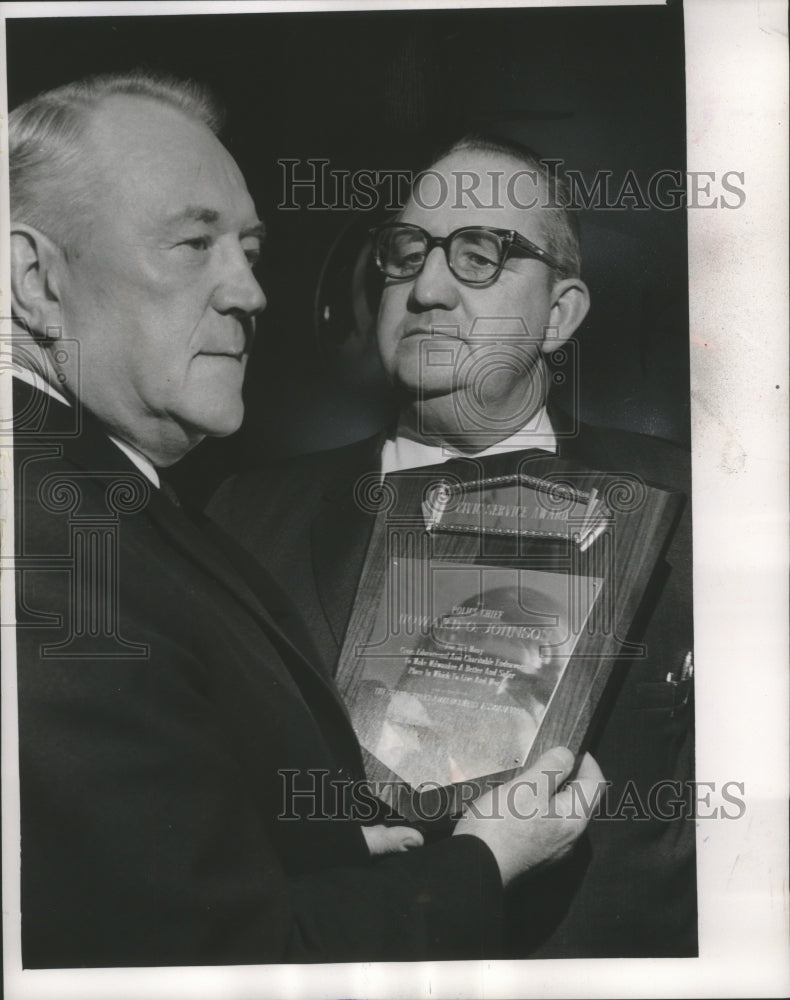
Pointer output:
233, 355
431, 331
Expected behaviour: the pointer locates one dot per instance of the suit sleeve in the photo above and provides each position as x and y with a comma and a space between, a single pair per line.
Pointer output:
145, 841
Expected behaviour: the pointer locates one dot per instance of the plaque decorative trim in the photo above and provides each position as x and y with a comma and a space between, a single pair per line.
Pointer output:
517, 505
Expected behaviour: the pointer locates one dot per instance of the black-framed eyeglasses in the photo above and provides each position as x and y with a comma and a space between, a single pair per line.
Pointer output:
475, 254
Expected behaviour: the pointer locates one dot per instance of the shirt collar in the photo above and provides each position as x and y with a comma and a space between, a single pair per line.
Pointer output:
34, 379
140, 461
143, 464
402, 452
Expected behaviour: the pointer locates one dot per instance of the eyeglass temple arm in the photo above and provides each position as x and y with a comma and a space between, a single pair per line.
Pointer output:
522, 243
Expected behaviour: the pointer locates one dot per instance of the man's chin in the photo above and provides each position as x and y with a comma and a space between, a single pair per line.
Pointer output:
221, 429
416, 389
216, 422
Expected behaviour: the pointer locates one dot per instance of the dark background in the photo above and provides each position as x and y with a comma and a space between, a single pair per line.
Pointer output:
600, 88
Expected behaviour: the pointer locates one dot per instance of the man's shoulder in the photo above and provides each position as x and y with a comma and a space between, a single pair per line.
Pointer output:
656, 460
59, 433
330, 462
295, 481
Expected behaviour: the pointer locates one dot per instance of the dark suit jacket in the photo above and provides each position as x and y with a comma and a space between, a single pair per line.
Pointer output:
152, 737
630, 888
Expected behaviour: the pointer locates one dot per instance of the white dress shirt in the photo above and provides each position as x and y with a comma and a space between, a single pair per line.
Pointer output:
403, 452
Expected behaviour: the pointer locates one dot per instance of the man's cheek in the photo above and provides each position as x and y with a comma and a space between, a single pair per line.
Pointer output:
386, 331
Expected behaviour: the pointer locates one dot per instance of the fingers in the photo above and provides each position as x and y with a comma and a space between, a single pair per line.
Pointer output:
580, 797
391, 839
547, 774
534, 788
591, 781
527, 823
589, 770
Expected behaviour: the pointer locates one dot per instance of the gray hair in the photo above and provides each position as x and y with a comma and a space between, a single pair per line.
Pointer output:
48, 162
561, 226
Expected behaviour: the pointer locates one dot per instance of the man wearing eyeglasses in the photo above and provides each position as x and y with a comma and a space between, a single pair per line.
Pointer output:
481, 283
462, 332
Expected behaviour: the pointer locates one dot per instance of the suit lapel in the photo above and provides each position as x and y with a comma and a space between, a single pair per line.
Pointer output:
193, 536
92, 451
216, 554
340, 534
578, 442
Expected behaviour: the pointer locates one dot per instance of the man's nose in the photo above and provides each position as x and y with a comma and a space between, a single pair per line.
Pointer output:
435, 287
238, 289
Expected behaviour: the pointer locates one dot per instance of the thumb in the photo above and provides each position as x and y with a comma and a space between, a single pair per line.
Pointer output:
559, 761
391, 839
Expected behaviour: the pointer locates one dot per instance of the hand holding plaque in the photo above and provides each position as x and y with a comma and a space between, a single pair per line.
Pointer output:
543, 819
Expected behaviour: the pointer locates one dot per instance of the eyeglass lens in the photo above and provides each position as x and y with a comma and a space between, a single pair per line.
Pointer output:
473, 255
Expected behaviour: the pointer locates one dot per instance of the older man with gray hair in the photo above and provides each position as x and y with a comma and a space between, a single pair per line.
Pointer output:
184, 767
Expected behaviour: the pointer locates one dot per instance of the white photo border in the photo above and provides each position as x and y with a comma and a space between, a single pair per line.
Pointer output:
737, 84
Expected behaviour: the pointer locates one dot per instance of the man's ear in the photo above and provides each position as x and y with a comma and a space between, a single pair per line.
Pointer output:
35, 266
570, 302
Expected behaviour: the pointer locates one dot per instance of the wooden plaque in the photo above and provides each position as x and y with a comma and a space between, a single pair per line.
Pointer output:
489, 615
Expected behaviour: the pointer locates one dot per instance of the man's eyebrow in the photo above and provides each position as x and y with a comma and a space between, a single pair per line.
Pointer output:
210, 217
194, 213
